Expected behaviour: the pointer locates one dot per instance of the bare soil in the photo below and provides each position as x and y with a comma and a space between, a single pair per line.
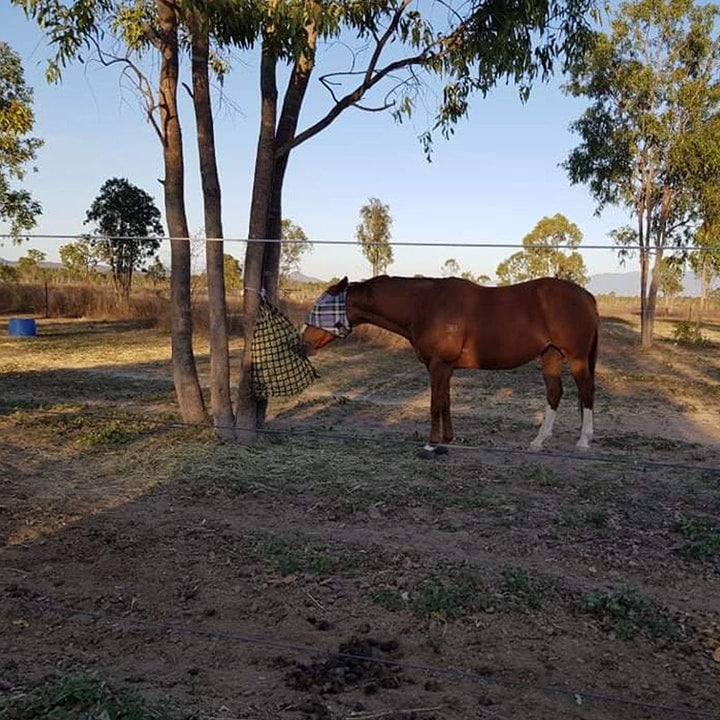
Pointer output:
329, 572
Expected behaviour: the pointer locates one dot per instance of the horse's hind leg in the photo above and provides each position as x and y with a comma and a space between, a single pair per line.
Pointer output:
448, 433
552, 361
585, 381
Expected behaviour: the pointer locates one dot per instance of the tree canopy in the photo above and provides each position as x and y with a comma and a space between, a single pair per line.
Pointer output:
373, 233
543, 258
17, 146
79, 259
291, 253
128, 222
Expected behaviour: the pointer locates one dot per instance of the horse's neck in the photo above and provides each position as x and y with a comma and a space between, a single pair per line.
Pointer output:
377, 305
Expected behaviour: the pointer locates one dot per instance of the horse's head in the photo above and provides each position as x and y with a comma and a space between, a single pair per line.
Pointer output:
328, 319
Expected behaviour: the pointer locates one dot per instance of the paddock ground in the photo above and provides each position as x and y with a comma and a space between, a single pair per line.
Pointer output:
548, 579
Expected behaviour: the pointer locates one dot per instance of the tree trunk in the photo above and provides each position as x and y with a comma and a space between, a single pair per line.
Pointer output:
643, 294
704, 288
647, 338
248, 418
187, 386
286, 128
219, 359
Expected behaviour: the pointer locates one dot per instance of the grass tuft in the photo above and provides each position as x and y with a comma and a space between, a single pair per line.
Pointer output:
72, 698
629, 615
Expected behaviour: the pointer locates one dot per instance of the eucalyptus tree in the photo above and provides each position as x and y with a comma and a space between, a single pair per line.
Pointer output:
652, 82
292, 253
373, 234
543, 255
705, 260
79, 259
116, 33
17, 146
671, 280
451, 268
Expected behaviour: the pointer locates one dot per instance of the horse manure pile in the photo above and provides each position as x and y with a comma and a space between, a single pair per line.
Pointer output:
358, 664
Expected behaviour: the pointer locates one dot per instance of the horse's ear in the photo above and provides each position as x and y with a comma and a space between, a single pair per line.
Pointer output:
337, 288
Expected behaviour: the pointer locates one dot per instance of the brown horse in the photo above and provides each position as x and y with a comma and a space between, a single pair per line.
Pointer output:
453, 323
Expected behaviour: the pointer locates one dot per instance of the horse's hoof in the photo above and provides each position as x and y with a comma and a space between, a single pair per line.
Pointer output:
429, 452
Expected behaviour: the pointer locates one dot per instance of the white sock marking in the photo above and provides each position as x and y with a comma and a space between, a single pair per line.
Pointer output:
545, 429
587, 431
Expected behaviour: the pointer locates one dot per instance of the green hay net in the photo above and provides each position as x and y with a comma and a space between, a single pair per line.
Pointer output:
279, 364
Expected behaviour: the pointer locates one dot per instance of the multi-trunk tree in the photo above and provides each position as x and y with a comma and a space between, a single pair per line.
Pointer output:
652, 83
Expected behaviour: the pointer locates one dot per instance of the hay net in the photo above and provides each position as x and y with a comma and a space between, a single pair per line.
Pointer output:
279, 364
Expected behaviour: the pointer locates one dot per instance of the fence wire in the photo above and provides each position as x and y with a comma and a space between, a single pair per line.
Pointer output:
384, 440
354, 243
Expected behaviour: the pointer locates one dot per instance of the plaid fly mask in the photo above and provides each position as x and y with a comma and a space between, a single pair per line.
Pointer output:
330, 314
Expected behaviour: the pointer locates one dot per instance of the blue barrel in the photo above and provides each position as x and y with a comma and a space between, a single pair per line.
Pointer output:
22, 327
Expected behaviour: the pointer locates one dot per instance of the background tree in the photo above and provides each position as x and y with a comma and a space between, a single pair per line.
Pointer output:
128, 221
705, 261
671, 277
542, 257
652, 85
450, 268
233, 272
28, 266
79, 259
8, 273
480, 279
17, 147
156, 272
373, 234
291, 254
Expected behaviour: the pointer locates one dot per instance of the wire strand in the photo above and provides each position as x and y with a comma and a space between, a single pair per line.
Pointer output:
388, 442
397, 243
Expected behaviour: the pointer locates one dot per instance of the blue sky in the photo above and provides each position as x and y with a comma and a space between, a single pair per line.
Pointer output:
490, 183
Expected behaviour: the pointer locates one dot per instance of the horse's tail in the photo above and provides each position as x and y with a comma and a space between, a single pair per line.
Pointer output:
591, 360
592, 357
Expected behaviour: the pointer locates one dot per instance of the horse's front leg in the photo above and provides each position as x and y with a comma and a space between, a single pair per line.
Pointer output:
439, 407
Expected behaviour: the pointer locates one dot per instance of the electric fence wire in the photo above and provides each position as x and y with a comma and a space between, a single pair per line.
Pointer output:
354, 243
163, 425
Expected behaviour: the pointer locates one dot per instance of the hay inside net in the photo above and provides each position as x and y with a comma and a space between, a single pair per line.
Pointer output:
279, 364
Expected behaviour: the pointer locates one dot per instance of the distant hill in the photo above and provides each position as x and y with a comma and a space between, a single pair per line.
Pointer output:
300, 278
627, 284
47, 265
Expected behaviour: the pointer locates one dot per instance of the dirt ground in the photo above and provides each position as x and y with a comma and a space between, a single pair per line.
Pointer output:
226, 582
